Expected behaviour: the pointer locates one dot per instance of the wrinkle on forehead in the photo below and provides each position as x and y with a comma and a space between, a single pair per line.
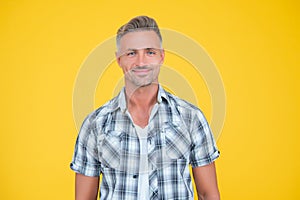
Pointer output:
139, 40
121, 53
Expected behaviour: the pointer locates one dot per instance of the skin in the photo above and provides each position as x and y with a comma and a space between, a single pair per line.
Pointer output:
86, 188
140, 57
206, 182
141, 69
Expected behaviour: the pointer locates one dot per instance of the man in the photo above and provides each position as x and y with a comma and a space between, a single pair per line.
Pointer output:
143, 140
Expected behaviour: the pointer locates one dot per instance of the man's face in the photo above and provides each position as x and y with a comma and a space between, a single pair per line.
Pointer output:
140, 57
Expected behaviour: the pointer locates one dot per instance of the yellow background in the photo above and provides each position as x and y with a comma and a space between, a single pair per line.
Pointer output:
255, 45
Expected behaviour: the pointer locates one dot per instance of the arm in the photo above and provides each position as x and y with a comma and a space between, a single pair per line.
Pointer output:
86, 188
206, 182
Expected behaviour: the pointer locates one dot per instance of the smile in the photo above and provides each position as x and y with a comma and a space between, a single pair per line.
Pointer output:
141, 72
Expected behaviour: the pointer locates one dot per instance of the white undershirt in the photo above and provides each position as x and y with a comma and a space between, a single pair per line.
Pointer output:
143, 183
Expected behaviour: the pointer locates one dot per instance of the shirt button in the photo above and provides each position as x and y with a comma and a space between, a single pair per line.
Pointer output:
135, 176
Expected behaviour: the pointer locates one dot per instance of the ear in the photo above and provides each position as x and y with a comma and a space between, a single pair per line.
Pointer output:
162, 56
117, 58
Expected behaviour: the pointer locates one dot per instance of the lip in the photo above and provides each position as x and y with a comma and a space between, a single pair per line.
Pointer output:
141, 72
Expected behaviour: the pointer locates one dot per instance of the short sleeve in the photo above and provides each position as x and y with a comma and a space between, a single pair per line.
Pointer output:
204, 150
85, 159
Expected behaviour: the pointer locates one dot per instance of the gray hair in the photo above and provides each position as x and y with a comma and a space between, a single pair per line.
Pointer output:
139, 23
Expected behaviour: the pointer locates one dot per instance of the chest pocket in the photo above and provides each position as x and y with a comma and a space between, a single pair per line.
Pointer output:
172, 142
110, 148
177, 140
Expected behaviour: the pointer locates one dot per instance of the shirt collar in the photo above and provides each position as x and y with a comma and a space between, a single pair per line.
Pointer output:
122, 98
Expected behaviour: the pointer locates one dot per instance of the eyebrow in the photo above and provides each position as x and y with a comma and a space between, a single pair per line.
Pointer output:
131, 49
149, 48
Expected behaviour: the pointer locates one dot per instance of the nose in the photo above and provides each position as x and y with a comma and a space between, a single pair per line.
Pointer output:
141, 58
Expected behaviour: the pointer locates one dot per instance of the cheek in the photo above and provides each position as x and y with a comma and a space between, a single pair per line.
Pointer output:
125, 65
157, 60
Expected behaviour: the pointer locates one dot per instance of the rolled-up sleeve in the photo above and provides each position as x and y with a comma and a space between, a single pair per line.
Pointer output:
204, 148
85, 159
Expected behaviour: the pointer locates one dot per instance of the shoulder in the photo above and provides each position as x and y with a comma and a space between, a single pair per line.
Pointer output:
181, 104
185, 111
99, 117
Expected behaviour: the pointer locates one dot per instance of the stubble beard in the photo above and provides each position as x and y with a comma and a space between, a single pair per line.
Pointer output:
142, 81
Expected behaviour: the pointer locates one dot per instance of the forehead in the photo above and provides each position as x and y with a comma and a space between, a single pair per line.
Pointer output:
140, 40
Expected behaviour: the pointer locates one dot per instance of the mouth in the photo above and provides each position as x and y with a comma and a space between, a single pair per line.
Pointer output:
141, 71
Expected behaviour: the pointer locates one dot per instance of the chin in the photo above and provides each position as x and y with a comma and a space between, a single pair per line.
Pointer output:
146, 84
143, 83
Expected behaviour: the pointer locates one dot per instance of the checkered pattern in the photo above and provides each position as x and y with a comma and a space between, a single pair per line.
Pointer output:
178, 135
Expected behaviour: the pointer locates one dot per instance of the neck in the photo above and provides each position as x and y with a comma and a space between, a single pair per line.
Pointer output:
141, 97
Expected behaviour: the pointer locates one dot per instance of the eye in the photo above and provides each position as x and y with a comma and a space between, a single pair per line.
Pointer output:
130, 53
151, 52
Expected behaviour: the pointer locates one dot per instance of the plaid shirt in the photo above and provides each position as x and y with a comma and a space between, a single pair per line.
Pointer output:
178, 135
